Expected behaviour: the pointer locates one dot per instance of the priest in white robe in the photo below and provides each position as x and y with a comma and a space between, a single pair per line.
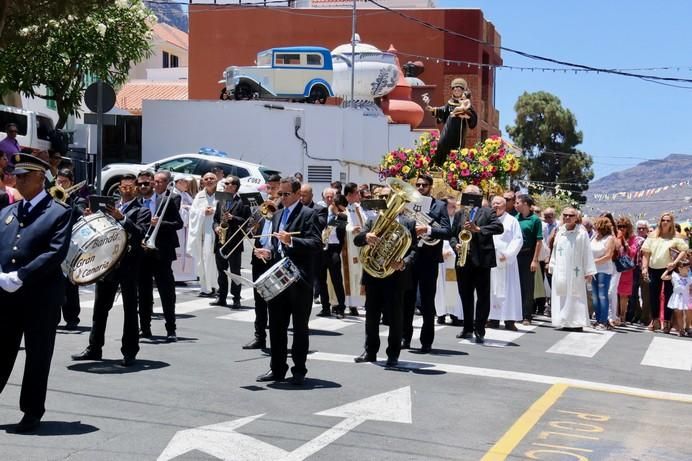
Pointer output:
447, 300
505, 289
350, 259
200, 243
572, 266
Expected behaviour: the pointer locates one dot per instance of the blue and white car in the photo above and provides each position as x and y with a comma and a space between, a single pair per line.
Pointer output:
301, 73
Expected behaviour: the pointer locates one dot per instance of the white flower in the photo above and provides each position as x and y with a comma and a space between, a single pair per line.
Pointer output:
150, 20
24, 32
122, 3
101, 29
70, 17
53, 23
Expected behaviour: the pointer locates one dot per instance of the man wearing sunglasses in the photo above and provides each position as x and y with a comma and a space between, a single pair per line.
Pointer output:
426, 267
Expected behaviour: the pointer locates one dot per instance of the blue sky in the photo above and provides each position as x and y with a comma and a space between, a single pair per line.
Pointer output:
624, 120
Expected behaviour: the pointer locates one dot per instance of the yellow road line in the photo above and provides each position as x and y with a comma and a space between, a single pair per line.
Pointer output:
524, 424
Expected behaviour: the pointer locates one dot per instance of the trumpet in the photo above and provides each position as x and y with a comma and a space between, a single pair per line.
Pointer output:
266, 210
150, 238
61, 195
465, 239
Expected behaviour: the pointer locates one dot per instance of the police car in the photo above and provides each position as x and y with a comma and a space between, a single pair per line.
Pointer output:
251, 175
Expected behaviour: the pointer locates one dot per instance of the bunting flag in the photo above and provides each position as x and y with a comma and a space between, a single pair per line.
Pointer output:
632, 195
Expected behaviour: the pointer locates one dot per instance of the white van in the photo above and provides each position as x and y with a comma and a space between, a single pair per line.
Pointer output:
33, 128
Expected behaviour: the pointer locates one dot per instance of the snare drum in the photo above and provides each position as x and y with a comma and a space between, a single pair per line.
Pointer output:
98, 242
276, 279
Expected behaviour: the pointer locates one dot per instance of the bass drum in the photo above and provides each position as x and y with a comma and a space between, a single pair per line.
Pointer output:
276, 279
97, 244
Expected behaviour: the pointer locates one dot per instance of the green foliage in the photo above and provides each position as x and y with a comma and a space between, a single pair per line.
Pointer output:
63, 53
547, 134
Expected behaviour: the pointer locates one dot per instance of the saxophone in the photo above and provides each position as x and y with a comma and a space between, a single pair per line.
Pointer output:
223, 225
395, 239
465, 239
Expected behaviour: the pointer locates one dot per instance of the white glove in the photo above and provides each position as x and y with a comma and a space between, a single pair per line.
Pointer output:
10, 282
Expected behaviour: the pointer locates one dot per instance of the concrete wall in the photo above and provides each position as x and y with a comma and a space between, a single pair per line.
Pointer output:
345, 139
155, 61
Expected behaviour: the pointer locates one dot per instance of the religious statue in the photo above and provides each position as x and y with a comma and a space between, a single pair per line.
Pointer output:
457, 116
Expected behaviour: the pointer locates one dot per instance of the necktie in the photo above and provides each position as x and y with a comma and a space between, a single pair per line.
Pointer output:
147, 203
361, 222
282, 226
25, 208
473, 213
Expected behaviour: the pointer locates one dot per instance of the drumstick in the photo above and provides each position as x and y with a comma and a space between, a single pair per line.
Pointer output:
271, 235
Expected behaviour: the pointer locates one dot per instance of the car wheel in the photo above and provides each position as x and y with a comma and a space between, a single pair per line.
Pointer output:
318, 93
111, 189
242, 91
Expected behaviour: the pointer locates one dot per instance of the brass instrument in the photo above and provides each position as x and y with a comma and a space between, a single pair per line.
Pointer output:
266, 210
326, 233
61, 195
423, 219
394, 238
150, 238
223, 225
465, 239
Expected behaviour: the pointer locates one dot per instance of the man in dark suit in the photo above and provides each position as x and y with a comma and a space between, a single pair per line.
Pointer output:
296, 300
34, 238
306, 197
474, 276
386, 295
426, 267
135, 219
330, 261
232, 214
260, 262
158, 263
71, 307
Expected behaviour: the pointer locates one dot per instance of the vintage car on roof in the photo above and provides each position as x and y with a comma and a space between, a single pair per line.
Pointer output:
302, 73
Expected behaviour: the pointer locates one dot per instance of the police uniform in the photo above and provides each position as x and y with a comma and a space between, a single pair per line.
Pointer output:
34, 239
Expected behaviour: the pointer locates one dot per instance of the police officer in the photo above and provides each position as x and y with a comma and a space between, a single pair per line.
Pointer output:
34, 237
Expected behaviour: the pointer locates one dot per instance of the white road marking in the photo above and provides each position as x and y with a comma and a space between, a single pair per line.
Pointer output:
585, 344
500, 337
515, 376
669, 353
221, 440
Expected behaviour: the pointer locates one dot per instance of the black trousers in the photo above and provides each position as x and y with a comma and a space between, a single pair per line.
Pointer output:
655, 286
37, 323
71, 308
295, 302
105, 297
425, 278
160, 269
232, 263
473, 279
384, 295
331, 261
261, 309
526, 282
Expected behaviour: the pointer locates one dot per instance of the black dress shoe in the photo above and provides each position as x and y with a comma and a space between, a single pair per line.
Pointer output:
202, 294
392, 362
172, 337
88, 354
405, 344
464, 334
441, 319
236, 305
365, 357
256, 344
72, 326
297, 380
269, 376
27, 424
219, 302
128, 361
509, 325
325, 313
479, 339
145, 333
353, 311
425, 349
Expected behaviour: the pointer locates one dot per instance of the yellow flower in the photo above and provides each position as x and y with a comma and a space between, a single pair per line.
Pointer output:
463, 165
390, 158
452, 167
406, 169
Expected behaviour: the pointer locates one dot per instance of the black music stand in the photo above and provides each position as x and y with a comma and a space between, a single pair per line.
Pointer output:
251, 199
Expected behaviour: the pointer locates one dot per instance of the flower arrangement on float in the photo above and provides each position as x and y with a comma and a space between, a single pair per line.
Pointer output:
489, 165
408, 163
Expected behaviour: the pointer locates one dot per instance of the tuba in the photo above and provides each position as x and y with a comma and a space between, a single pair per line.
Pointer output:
395, 239
465, 241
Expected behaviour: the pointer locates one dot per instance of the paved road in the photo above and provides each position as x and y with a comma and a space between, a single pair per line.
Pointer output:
534, 394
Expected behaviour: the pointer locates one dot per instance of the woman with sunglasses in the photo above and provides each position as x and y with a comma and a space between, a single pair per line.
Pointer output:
656, 259
630, 247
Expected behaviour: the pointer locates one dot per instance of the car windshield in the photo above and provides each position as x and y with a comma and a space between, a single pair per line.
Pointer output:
179, 165
264, 58
267, 173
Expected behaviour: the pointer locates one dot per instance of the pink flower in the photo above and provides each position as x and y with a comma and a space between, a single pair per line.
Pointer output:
401, 155
465, 173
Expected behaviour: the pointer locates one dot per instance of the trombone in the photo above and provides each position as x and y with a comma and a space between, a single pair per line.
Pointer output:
149, 242
266, 210
61, 195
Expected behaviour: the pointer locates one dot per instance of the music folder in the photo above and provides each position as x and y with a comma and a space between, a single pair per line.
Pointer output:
100, 202
251, 199
374, 204
223, 196
472, 200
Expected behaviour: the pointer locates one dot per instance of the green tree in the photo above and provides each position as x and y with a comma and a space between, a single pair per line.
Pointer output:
547, 133
64, 54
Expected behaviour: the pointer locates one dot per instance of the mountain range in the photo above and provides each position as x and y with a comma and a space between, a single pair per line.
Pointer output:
171, 14
646, 190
